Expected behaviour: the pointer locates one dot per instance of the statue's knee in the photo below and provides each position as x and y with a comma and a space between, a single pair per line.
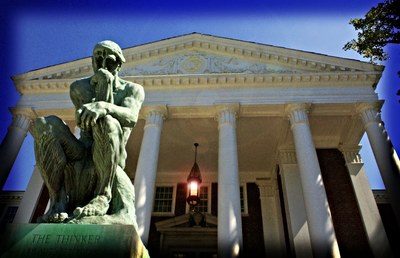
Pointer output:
48, 120
110, 123
40, 126
47, 125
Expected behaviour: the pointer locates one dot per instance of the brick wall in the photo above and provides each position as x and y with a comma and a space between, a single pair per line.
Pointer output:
350, 232
253, 236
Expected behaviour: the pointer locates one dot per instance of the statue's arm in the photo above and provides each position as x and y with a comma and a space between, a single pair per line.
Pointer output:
79, 95
74, 96
134, 101
127, 113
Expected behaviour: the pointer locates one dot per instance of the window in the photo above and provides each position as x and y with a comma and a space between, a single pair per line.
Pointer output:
164, 200
205, 200
243, 200
203, 205
9, 214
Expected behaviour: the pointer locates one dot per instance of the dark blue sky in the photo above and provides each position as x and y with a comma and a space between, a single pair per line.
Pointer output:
45, 33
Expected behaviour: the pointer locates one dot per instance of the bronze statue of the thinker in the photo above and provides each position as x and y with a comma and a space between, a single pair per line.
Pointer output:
85, 176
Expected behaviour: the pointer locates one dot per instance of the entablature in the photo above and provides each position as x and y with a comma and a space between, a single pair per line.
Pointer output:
210, 81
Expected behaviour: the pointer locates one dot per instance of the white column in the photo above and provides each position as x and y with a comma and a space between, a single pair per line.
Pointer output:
146, 170
294, 205
12, 143
385, 155
366, 202
229, 214
274, 240
30, 199
320, 225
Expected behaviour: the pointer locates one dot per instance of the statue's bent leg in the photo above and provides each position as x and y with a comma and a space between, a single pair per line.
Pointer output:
55, 146
108, 152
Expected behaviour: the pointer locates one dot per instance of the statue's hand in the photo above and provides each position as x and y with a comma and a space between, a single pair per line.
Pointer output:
101, 75
102, 82
89, 113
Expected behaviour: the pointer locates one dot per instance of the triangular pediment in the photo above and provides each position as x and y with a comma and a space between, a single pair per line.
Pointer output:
197, 61
199, 54
182, 221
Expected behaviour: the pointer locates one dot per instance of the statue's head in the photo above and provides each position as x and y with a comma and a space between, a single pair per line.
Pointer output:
107, 55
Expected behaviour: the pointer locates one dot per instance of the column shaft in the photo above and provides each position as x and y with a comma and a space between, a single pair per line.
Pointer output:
294, 205
366, 202
12, 143
274, 240
385, 155
319, 218
229, 212
146, 172
30, 200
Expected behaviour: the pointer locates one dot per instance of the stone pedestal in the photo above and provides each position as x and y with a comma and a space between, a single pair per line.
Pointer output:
66, 240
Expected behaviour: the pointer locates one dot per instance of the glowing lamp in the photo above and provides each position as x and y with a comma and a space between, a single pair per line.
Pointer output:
194, 181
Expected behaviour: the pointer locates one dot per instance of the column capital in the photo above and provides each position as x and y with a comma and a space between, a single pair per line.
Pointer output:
154, 115
227, 107
145, 110
374, 105
267, 187
369, 112
297, 112
22, 118
351, 154
226, 113
27, 112
291, 107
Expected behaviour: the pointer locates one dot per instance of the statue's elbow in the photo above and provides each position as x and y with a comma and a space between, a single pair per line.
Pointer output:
132, 123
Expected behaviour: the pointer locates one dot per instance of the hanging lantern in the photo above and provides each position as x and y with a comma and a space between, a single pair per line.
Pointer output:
194, 181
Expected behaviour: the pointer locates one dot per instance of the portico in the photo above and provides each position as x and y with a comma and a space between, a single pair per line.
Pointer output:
260, 113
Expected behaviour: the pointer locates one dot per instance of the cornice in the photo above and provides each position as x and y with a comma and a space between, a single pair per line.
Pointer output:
181, 82
73, 69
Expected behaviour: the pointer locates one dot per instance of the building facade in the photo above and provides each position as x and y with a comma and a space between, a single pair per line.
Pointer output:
279, 132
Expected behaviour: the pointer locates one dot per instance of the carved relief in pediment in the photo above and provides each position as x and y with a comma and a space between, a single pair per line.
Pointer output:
201, 63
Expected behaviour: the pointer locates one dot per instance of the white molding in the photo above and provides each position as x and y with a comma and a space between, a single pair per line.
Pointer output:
201, 103
220, 81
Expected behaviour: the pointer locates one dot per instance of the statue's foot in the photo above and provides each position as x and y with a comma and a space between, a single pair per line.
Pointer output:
96, 207
53, 217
